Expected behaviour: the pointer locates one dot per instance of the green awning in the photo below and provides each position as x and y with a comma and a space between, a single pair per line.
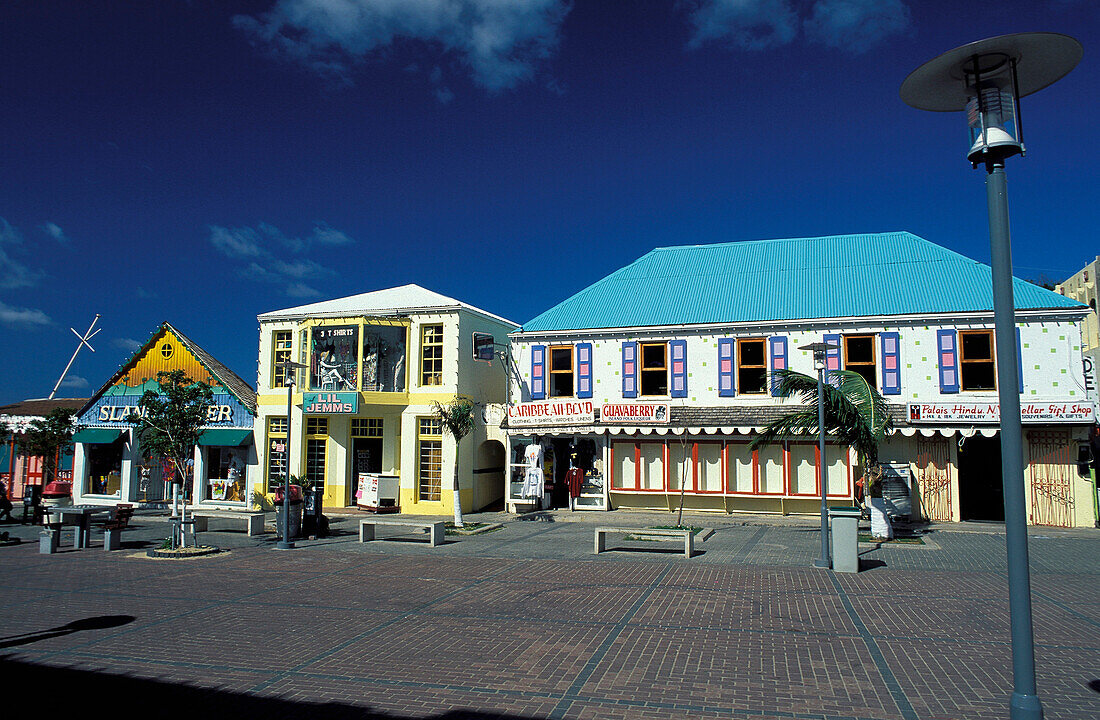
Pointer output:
225, 437
97, 435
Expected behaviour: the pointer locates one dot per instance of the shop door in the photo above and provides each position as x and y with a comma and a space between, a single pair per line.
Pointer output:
367, 458
559, 496
934, 478
1051, 463
981, 494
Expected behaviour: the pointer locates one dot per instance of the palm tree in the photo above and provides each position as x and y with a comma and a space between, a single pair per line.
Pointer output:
855, 413
457, 418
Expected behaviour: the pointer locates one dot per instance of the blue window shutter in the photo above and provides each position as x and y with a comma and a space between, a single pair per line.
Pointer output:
1019, 361
538, 372
832, 356
947, 344
630, 369
678, 350
726, 385
891, 363
778, 352
584, 370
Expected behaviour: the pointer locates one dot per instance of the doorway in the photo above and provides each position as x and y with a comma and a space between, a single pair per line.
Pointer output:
366, 456
981, 494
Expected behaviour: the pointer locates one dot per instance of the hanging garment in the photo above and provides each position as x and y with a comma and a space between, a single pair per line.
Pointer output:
880, 523
574, 479
532, 483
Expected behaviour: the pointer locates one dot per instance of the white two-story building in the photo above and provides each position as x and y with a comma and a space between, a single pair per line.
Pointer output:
654, 380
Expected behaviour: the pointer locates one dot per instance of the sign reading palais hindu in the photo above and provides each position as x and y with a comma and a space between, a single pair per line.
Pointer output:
330, 403
635, 413
552, 412
991, 413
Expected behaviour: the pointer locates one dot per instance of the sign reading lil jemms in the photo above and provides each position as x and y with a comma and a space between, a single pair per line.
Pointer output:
330, 403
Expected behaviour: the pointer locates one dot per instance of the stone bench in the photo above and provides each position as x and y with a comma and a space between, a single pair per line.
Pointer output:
645, 533
433, 529
253, 519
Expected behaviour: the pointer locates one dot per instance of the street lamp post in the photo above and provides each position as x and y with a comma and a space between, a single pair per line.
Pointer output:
987, 79
819, 349
290, 371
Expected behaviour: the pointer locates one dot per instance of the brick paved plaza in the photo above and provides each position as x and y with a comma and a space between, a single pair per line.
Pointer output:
524, 622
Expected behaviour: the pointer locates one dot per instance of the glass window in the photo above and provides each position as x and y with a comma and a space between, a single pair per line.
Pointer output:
430, 453
561, 371
652, 466
977, 370
769, 461
332, 362
431, 355
225, 473
752, 368
384, 358
276, 451
316, 447
709, 467
280, 353
366, 427
739, 457
859, 356
105, 467
803, 469
654, 369
624, 474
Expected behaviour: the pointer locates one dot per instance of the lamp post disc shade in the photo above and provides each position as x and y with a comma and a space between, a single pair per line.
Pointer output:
940, 84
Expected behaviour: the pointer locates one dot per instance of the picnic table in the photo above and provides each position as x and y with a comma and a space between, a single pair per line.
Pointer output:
83, 515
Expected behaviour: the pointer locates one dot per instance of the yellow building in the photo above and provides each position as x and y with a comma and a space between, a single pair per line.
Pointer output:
361, 419
1082, 288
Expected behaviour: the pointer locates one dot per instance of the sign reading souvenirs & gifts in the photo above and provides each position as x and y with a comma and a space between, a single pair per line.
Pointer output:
552, 412
635, 413
1056, 412
330, 403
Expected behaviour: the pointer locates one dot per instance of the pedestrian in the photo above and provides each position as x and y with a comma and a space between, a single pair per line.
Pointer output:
881, 529
5, 502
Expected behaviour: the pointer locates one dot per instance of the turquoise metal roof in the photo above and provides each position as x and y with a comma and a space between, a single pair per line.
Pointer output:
874, 274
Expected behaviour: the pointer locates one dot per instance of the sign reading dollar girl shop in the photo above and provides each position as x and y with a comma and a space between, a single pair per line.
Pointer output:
991, 413
330, 403
635, 413
552, 412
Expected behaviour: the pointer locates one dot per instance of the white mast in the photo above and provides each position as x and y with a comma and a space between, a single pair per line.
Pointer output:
83, 341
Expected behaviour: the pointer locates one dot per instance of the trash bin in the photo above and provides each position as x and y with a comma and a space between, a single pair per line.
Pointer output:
295, 511
844, 533
57, 494
313, 521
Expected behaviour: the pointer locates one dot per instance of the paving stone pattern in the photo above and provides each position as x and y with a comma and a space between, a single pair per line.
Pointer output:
525, 622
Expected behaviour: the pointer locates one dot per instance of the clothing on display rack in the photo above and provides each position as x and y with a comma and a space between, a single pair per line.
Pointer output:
532, 479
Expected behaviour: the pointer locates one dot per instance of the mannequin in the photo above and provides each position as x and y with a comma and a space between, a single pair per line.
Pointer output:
532, 478
574, 479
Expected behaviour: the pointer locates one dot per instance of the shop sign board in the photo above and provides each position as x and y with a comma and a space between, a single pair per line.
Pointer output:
1055, 412
635, 413
112, 410
330, 403
551, 412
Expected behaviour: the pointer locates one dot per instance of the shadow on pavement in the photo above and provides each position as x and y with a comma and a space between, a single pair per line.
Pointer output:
169, 701
100, 622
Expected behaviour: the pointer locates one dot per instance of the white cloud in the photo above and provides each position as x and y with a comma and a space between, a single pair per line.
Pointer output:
127, 344
501, 42
55, 232
851, 25
855, 25
265, 249
22, 316
74, 381
13, 274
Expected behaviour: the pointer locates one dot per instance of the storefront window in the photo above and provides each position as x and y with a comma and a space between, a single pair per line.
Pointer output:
332, 360
105, 467
225, 473
430, 452
739, 469
431, 355
277, 451
316, 446
384, 358
280, 353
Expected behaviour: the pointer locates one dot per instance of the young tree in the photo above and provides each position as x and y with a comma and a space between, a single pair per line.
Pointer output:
855, 413
169, 422
457, 418
49, 438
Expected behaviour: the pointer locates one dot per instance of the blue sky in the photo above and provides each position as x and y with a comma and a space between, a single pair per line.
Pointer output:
202, 162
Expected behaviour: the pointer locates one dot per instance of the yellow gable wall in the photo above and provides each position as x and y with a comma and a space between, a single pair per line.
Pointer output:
153, 360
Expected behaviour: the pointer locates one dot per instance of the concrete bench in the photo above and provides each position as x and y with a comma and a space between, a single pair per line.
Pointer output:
645, 533
253, 520
434, 529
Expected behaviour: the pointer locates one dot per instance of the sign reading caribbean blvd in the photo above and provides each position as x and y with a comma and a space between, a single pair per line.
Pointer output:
330, 403
991, 413
552, 412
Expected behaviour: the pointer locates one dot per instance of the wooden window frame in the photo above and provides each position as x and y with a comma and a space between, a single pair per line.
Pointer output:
740, 385
428, 430
552, 371
964, 362
857, 366
643, 371
280, 353
366, 428
316, 431
431, 375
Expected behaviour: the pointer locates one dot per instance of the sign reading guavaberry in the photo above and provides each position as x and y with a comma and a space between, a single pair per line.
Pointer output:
627, 413
552, 412
330, 403
991, 412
